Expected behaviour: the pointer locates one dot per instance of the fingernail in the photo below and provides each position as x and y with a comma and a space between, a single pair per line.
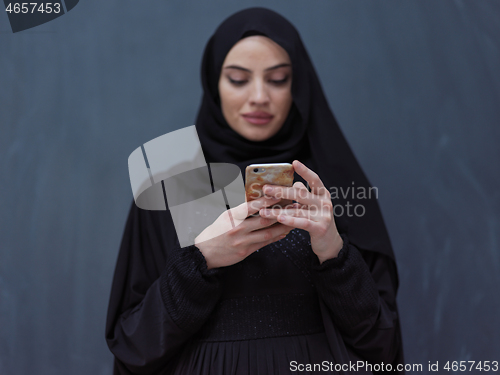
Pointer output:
268, 189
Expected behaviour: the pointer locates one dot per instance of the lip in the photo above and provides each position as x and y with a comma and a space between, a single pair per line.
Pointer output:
258, 117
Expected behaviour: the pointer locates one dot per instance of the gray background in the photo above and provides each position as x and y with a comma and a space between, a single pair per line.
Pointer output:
414, 85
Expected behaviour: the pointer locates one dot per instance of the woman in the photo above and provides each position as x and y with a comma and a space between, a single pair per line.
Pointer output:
313, 293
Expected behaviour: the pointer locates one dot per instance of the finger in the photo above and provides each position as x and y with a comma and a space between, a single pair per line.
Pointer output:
300, 185
264, 235
245, 209
300, 195
311, 177
264, 201
257, 222
299, 222
309, 213
291, 205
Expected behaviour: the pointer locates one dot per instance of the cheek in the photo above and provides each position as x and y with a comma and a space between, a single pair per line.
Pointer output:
284, 102
231, 100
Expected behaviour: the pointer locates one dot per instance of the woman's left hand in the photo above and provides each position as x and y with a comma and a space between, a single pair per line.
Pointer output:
313, 212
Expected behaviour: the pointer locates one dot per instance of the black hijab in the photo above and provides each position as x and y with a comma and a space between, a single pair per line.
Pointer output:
310, 133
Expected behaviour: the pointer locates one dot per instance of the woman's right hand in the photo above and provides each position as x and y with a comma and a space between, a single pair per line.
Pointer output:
240, 235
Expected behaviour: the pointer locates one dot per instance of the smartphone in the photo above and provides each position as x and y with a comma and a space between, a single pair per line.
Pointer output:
258, 175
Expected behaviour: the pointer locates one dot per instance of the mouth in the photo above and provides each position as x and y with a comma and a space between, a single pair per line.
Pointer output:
258, 118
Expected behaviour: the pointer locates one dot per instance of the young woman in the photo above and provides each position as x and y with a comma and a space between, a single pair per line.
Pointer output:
314, 293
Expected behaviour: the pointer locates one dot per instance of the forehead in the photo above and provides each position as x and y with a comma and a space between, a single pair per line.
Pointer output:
257, 49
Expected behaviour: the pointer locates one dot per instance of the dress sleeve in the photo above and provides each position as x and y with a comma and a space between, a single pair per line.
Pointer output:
160, 296
359, 289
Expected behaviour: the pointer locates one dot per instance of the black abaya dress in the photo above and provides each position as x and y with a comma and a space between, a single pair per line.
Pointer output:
277, 311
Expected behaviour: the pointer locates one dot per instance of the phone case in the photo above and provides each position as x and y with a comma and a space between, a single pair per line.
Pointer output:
257, 175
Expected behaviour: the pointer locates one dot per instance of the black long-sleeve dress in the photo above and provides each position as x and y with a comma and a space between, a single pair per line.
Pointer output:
277, 312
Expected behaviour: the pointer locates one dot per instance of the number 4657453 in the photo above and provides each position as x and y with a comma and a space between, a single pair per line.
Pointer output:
471, 365
33, 7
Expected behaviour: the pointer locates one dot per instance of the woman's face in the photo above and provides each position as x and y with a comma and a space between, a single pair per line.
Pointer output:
255, 87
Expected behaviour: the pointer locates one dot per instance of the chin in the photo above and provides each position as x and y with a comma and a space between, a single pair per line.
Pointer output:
258, 136
258, 133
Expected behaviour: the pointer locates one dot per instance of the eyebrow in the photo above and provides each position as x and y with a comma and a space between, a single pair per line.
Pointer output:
248, 70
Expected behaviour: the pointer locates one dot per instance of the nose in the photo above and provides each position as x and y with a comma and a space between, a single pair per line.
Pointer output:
259, 94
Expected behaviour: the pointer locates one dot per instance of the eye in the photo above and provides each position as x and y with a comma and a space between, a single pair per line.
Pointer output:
235, 82
279, 82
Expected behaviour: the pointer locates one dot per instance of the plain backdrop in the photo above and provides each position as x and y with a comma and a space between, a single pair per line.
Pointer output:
415, 86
